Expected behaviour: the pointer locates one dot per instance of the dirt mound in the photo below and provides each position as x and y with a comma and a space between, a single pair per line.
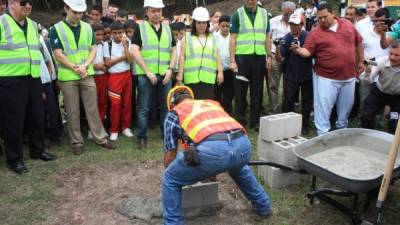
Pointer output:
89, 195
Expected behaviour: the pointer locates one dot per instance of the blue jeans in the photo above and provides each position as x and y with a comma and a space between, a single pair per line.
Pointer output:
327, 93
145, 94
215, 157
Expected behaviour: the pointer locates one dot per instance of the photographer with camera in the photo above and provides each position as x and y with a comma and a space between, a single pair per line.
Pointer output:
389, 36
386, 91
297, 71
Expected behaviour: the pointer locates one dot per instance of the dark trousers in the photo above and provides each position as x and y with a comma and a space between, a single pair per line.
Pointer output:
202, 90
374, 104
52, 113
224, 92
291, 91
21, 106
253, 68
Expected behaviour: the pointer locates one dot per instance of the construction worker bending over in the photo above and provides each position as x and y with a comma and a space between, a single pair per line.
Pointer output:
217, 143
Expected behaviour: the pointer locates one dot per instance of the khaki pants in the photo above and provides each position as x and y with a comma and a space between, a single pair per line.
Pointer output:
274, 78
86, 90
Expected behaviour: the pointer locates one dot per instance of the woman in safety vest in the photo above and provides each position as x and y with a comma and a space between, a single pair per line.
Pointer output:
200, 66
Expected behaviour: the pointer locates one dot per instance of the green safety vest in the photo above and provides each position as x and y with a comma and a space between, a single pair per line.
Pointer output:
251, 39
200, 64
155, 53
19, 55
76, 54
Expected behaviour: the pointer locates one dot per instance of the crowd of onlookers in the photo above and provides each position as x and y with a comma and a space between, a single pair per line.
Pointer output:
335, 68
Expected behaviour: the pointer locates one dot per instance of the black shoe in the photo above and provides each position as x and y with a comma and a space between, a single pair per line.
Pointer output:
18, 167
45, 156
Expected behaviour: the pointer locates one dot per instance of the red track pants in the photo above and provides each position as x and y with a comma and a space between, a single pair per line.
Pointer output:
120, 93
102, 91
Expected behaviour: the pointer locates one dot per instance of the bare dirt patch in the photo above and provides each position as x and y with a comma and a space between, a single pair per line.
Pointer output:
89, 195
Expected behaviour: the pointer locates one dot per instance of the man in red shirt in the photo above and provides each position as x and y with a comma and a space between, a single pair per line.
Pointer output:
335, 45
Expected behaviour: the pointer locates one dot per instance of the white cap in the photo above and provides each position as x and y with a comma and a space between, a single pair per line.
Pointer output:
201, 14
295, 18
154, 4
76, 5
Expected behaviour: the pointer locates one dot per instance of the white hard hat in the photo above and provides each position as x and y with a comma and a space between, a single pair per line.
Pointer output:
76, 5
154, 4
201, 14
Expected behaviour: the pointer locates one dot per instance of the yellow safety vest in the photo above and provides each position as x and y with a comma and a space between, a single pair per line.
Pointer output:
200, 62
76, 54
155, 53
251, 39
19, 55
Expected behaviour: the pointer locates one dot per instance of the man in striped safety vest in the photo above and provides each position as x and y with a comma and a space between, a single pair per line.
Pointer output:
20, 86
72, 41
249, 50
218, 143
154, 51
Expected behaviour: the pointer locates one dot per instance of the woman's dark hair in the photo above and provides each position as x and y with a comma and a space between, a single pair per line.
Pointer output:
194, 30
98, 26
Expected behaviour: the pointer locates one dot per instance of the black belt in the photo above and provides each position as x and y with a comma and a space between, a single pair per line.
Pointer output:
225, 136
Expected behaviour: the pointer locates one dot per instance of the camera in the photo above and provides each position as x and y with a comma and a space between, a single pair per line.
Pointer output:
279, 41
296, 41
370, 62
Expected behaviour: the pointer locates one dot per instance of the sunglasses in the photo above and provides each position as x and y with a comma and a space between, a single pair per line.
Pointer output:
24, 2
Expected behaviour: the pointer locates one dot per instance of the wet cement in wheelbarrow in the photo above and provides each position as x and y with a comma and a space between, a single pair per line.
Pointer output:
352, 162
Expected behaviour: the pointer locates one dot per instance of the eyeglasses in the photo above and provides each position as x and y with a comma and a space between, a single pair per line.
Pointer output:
24, 2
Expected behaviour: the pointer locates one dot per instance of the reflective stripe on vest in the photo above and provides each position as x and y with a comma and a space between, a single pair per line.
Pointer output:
202, 118
19, 55
200, 62
76, 54
251, 39
155, 52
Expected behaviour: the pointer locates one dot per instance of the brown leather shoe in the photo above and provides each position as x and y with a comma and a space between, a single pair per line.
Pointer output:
108, 145
142, 144
77, 149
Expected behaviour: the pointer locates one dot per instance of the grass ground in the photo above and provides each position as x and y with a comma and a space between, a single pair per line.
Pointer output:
29, 199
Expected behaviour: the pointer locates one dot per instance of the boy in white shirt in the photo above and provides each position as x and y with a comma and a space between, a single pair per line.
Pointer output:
178, 30
224, 93
118, 58
100, 72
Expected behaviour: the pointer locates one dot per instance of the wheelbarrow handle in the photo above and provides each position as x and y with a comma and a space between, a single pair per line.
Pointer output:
276, 165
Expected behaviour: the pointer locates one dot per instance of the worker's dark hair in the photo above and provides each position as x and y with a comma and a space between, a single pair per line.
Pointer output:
97, 26
130, 24
194, 31
378, 2
326, 6
117, 26
224, 18
122, 13
177, 26
96, 7
382, 12
180, 96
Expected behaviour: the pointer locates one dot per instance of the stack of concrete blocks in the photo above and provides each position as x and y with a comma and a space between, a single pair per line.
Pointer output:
279, 135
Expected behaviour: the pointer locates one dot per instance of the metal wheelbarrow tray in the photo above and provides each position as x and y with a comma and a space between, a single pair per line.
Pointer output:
352, 160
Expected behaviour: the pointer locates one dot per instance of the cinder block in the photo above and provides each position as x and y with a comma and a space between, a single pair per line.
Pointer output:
200, 195
280, 126
277, 178
279, 151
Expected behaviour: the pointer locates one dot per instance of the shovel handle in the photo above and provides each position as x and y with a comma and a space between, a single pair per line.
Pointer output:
390, 165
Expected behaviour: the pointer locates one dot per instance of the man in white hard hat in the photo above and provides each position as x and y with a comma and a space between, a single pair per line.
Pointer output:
154, 51
72, 41
20, 86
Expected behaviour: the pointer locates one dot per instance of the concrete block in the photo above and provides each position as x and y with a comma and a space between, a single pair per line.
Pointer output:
279, 151
277, 178
280, 126
200, 195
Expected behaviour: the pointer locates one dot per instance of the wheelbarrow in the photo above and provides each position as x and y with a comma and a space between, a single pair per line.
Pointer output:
351, 160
